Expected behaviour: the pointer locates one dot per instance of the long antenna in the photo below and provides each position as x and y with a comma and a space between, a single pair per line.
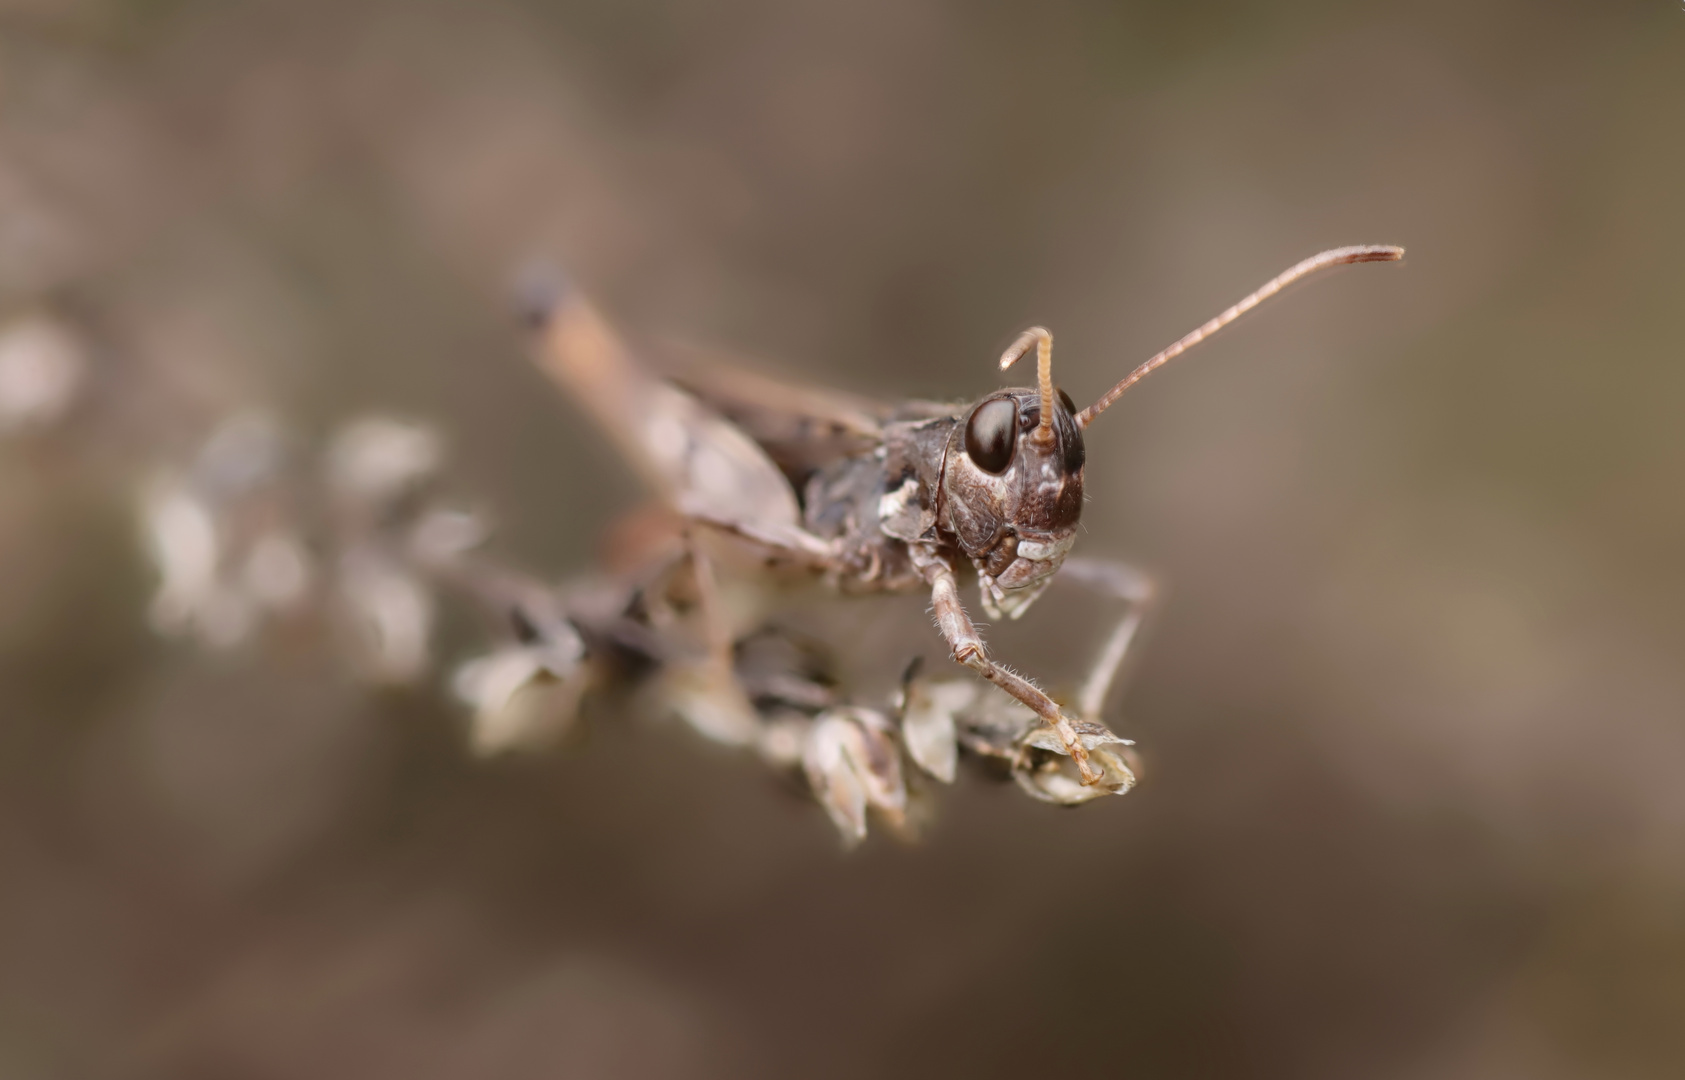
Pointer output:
1335, 257
1043, 341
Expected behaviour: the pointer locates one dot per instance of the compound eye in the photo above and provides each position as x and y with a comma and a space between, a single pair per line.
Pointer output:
1075, 454
991, 433
1070, 435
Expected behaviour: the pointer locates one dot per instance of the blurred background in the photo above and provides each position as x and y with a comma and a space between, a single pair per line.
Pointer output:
1412, 715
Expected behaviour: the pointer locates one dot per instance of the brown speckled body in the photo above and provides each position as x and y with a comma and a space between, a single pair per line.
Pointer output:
920, 486
882, 498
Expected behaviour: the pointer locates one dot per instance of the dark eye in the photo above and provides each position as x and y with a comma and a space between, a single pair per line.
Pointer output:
990, 434
1075, 454
1071, 435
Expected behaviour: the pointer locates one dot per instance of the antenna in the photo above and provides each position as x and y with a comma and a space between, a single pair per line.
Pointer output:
1043, 341
1334, 257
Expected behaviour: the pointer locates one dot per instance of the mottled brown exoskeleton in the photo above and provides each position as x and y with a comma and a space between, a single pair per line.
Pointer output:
875, 497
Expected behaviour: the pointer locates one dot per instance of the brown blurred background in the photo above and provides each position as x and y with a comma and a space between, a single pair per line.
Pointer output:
1413, 714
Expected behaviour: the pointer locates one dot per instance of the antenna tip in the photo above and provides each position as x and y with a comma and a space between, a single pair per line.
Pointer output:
1021, 345
1374, 253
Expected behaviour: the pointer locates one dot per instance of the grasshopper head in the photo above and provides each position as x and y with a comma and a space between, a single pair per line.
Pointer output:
1011, 488
1012, 493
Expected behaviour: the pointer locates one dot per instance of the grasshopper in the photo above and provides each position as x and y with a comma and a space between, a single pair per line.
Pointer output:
760, 478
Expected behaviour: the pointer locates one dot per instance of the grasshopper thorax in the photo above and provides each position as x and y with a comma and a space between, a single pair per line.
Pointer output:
1011, 492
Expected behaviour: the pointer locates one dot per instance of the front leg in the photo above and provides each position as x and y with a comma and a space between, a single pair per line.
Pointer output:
1135, 591
937, 569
